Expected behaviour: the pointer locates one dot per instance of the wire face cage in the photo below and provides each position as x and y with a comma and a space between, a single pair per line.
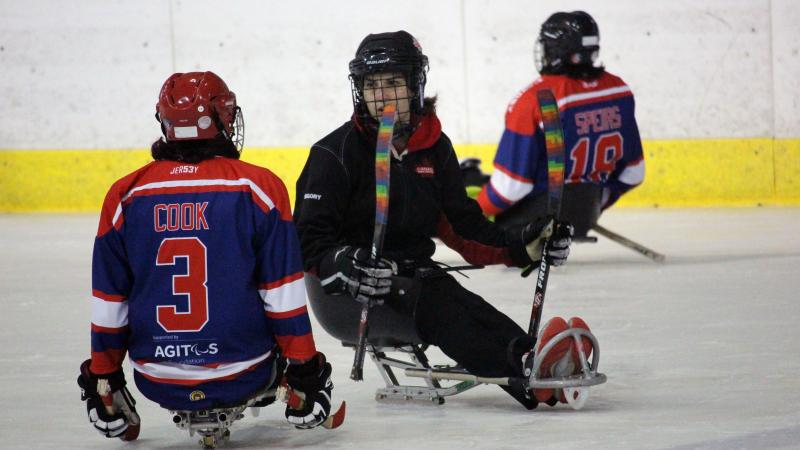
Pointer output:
238, 130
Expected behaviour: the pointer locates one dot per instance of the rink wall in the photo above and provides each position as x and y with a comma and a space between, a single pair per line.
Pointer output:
719, 172
716, 84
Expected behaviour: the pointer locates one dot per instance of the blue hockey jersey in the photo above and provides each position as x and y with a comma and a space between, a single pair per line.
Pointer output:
601, 141
197, 274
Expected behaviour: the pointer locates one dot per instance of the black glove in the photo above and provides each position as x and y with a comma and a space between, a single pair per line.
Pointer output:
116, 417
526, 242
559, 242
351, 270
311, 381
471, 173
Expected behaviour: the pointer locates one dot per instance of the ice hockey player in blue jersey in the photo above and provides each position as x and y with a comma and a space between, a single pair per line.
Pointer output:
197, 275
604, 151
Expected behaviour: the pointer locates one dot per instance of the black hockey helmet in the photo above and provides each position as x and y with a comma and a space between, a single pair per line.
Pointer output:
395, 51
569, 42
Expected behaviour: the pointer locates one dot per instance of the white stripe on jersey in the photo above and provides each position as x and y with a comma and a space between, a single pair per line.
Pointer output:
596, 94
182, 183
109, 314
176, 371
633, 174
284, 298
510, 188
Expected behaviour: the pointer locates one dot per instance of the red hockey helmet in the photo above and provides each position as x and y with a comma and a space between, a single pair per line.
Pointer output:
198, 105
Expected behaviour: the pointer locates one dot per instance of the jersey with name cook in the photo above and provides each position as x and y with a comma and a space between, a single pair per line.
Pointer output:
197, 274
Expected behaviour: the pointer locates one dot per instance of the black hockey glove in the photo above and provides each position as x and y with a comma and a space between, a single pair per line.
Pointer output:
474, 179
471, 173
559, 242
109, 404
527, 241
311, 381
351, 270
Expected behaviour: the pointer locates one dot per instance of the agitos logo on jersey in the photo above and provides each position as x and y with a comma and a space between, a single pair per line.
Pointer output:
180, 350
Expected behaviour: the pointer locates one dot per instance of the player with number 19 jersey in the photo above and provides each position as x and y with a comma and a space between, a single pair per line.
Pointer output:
601, 139
197, 274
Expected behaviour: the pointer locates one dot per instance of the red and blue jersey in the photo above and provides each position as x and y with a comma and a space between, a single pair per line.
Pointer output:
197, 274
601, 141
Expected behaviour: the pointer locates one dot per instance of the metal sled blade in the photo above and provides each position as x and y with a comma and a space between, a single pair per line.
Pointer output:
212, 425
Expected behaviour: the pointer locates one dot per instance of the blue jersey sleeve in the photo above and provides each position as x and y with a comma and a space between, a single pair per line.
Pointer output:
111, 284
519, 156
629, 170
281, 284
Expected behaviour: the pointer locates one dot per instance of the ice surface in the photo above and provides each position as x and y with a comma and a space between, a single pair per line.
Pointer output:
700, 352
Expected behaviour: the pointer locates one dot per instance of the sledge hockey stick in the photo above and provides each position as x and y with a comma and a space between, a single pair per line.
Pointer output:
655, 256
297, 400
382, 172
554, 142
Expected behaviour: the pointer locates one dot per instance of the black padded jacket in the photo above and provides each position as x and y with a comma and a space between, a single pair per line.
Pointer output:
335, 203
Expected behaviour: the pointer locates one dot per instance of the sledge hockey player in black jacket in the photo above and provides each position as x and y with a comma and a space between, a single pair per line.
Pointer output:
335, 213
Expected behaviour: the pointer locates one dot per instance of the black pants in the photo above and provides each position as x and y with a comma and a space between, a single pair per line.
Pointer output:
471, 332
466, 327
435, 310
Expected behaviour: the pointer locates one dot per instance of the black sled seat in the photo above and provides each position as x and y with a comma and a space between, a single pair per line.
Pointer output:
339, 316
581, 206
390, 331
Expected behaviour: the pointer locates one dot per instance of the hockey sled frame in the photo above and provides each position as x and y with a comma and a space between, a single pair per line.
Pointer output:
433, 391
213, 425
588, 376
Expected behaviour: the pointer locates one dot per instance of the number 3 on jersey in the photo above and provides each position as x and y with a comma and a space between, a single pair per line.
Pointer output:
191, 284
607, 151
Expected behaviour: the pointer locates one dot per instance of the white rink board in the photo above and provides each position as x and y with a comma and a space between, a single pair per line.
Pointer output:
701, 352
84, 75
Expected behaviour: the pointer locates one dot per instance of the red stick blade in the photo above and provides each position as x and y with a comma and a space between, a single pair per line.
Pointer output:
336, 419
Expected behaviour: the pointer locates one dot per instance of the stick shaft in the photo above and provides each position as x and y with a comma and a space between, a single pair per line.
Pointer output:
554, 143
655, 256
357, 372
538, 295
382, 177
